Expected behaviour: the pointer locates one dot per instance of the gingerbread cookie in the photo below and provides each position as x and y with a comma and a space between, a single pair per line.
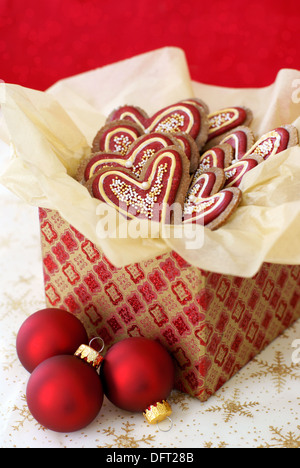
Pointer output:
163, 182
140, 151
218, 156
206, 184
235, 173
138, 154
225, 120
274, 142
116, 137
241, 139
181, 117
214, 211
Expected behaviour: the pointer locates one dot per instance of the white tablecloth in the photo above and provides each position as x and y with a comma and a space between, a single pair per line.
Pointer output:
259, 407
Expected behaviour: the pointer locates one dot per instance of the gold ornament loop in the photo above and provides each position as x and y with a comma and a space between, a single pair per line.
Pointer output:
160, 426
97, 338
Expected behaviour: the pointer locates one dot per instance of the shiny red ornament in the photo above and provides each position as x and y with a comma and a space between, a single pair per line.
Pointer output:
137, 373
46, 333
64, 393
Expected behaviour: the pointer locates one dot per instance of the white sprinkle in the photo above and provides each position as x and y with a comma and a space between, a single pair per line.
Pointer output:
231, 173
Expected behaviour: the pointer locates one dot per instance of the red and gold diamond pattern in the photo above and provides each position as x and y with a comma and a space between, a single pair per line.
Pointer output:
212, 324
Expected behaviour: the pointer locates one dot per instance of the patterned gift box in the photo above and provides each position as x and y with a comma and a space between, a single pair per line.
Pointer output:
212, 324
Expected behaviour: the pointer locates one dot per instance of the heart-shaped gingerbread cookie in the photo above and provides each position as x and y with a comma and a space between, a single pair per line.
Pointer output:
137, 154
274, 142
116, 137
136, 157
162, 184
206, 184
235, 173
225, 120
241, 140
218, 156
214, 211
184, 117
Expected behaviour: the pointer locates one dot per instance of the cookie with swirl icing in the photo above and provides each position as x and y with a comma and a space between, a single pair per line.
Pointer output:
241, 139
183, 117
136, 157
224, 121
218, 156
234, 174
137, 154
116, 137
213, 211
162, 184
275, 141
206, 184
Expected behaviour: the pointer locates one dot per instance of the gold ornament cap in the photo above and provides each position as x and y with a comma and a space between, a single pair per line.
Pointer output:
158, 412
89, 355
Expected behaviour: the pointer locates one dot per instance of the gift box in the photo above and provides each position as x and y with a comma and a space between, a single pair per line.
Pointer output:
212, 324
213, 303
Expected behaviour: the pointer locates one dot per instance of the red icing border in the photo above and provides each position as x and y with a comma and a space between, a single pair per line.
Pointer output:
239, 120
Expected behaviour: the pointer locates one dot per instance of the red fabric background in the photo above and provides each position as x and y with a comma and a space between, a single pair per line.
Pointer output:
227, 42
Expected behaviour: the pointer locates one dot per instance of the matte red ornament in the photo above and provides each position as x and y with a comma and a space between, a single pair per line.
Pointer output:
137, 373
46, 333
64, 393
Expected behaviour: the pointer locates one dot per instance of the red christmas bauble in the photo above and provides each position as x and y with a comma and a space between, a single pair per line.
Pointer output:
136, 373
64, 393
46, 333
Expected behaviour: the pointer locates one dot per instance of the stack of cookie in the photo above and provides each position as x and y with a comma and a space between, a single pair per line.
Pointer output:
182, 157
